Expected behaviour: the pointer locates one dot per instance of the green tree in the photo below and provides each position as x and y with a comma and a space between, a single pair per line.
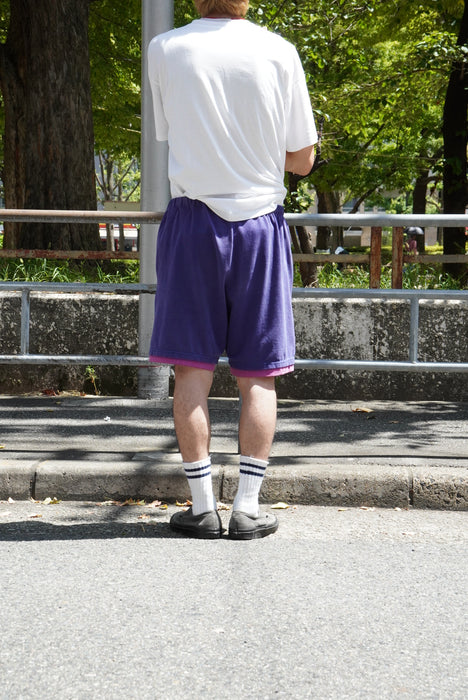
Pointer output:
455, 131
115, 55
115, 48
377, 74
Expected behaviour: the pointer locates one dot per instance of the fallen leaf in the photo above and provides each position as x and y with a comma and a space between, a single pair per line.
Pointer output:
153, 504
185, 504
280, 506
223, 506
10, 500
366, 508
340, 510
163, 506
37, 515
50, 501
133, 502
144, 516
2, 447
362, 410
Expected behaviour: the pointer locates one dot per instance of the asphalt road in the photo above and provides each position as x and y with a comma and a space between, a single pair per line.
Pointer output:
103, 601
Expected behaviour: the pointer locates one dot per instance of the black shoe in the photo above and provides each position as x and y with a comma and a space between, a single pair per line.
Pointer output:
249, 527
206, 526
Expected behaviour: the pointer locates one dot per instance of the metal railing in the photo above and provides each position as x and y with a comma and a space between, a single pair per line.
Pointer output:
412, 296
376, 221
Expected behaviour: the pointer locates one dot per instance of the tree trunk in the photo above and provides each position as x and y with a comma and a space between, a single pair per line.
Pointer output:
48, 141
300, 237
302, 243
455, 145
419, 202
328, 236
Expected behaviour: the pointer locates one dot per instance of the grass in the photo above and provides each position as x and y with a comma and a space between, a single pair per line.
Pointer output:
330, 275
415, 276
39, 270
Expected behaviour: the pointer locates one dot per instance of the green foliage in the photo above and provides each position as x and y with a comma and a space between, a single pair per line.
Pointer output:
4, 19
377, 74
25, 270
115, 51
416, 276
330, 275
118, 179
184, 12
92, 376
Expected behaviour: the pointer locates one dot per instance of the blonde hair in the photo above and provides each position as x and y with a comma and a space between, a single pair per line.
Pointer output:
232, 8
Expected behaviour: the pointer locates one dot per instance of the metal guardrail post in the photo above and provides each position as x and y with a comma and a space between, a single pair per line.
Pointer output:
414, 329
25, 316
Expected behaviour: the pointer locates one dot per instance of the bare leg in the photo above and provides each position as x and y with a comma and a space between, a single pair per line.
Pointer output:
258, 416
191, 417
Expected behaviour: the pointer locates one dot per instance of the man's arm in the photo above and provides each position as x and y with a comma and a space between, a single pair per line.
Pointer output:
300, 162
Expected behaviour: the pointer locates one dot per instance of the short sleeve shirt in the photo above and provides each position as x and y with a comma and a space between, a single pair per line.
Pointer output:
231, 99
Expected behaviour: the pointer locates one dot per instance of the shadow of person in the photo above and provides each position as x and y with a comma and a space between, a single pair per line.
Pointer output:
37, 530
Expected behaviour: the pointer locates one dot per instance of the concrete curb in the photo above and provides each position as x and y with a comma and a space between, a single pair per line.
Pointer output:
159, 476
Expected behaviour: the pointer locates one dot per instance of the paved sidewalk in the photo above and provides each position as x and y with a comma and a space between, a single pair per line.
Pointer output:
339, 453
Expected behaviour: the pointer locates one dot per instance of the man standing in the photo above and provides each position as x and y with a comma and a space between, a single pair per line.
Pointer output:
231, 99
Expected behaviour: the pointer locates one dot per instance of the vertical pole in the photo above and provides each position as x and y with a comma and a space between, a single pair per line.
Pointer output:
157, 17
375, 257
397, 257
25, 316
414, 329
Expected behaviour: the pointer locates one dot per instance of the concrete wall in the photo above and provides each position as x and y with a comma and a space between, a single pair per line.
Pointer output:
353, 329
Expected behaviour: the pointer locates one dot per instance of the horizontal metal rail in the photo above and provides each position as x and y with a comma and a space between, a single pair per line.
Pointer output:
73, 287
411, 295
305, 219
376, 221
136, 361
75, 216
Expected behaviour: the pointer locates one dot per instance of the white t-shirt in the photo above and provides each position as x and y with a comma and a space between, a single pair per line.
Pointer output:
230, 98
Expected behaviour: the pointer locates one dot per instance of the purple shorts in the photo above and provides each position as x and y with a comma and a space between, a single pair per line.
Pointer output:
223, 286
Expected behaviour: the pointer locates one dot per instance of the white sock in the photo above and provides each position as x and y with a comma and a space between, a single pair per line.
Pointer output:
251, 476
199, 478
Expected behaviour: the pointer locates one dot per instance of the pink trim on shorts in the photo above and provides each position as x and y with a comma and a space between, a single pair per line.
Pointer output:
272, 372
184, 363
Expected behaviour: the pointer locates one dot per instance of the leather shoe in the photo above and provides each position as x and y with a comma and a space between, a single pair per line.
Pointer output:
249, 527
206, 526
